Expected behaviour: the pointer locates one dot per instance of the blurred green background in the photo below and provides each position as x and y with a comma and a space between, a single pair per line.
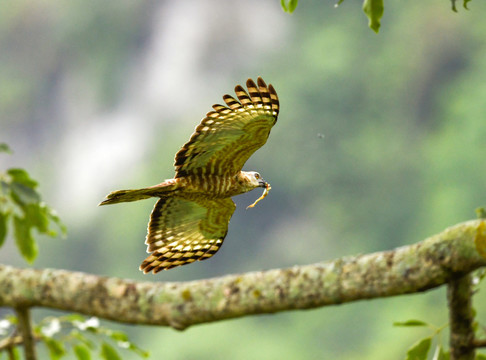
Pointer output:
380, 143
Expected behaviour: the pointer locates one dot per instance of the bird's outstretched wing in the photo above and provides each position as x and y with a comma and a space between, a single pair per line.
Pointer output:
229, 135
182, 231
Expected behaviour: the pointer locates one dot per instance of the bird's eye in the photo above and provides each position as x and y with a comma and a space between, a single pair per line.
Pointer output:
257, 176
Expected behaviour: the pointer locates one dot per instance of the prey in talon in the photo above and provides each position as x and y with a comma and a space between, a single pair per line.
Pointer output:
265, 193
191, 216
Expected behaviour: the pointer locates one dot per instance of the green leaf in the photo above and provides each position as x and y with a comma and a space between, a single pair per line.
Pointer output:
82, 352
5, 148
13, 319
138, 351
23, 177
419, 350
108, 352
453, 3
480, 357
4, 187
55, 218
24, 194
15, 353
374, 10
24, 240
73, 317
83, 339
56, 348
410, 323
119, 336
122, 341
37, 215
289, 5
3, 226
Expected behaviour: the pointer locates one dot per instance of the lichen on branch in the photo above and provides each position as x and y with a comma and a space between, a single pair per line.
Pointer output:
405, 270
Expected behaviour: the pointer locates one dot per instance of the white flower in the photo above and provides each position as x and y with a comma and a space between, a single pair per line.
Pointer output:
123, 344
52, 328
4, 326
92, 322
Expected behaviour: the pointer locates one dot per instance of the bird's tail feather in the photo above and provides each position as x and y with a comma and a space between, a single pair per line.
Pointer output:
119, 196
159, 190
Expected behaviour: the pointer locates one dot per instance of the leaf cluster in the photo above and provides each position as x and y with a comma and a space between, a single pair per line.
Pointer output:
72, 334
289, 5
21, 206
373, 9
422, 348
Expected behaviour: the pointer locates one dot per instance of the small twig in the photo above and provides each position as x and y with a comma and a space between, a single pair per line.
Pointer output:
461, 319
25, 328
9, 344
479, 343
11, 354
14, 340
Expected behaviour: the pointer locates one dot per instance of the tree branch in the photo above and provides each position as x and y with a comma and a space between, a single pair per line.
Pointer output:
25, 327
461, 318
409, 269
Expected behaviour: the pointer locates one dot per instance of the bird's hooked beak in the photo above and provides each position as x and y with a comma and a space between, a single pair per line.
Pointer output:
262, 183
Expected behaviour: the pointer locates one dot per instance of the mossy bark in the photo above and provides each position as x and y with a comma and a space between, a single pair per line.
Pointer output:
406, 270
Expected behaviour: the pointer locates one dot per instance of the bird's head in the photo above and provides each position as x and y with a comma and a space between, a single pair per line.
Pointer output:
253, 179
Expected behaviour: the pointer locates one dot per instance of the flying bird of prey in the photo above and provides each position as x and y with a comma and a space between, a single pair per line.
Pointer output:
190, 220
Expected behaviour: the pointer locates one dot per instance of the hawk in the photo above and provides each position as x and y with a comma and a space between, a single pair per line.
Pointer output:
190, 220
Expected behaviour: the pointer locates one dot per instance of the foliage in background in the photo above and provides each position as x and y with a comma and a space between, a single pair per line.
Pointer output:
374, 11
464, 4
402, 115
22, 205
71, 334
289, 5
372, 8
421, 349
